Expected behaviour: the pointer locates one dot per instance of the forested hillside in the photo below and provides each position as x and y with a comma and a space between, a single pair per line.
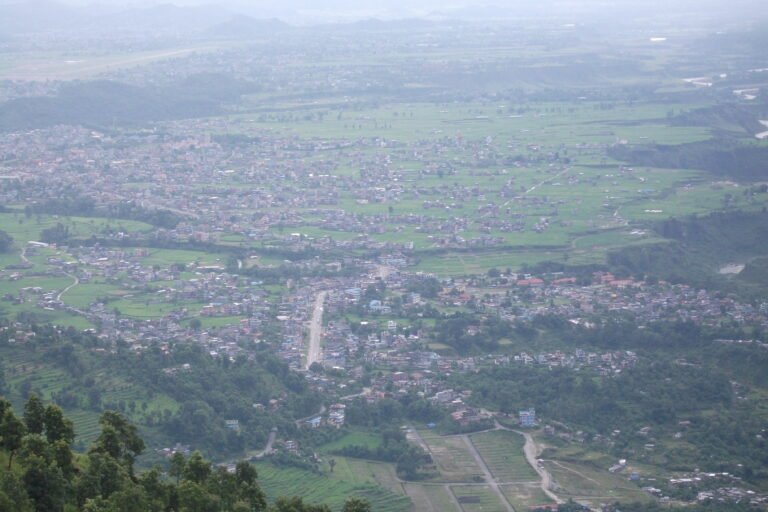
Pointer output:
39, 472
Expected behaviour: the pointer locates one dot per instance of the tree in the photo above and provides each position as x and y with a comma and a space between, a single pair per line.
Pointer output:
4, 404
177, 465
6, 242
12, 433
62, 456
296, 504
34, 415
57, 427
13, 492
45, 485
131, 499
156, 489
197, 469
356, 505
119, 439
103, 477
247, 489
193, 497
55, 235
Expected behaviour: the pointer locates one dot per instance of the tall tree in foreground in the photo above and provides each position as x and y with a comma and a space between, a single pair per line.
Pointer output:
356, 505
12, 432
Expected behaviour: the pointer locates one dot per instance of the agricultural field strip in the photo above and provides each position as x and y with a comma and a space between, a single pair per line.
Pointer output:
489, 479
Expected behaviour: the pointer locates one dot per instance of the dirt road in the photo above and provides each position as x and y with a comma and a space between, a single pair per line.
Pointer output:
531, 450
487, 472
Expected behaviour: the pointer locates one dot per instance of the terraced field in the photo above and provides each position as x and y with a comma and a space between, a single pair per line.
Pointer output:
87, 427
330, 489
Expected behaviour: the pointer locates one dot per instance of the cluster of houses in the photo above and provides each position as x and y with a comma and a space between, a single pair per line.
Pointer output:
271, 191
334, 417
605, 363
524, 296
710, 487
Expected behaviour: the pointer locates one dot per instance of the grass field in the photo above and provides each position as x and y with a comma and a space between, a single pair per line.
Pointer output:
453, 459
585, 483
502, 452
353, 438
432, 498
523, 496
582, 474
23, 228
565, 122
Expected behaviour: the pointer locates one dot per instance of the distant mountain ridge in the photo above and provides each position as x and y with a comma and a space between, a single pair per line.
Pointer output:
39, 16
242, 26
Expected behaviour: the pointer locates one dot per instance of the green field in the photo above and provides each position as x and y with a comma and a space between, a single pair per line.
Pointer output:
502, 452
522, 496
353, 438
453, 459
585, 483
432, 498
359, 480
582, 473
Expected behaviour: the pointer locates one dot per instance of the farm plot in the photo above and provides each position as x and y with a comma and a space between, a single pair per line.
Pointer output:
432, 498
503, 453
329, 489
477, 498
585, 483
367, 472
453, 459
524, 496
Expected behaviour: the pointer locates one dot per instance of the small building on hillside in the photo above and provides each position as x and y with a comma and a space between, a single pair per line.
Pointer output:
528, 417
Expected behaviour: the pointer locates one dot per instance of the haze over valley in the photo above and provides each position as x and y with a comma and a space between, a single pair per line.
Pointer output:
393, 256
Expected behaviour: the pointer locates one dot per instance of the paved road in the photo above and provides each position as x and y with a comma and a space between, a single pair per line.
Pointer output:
270, 442
314, 354
319, 413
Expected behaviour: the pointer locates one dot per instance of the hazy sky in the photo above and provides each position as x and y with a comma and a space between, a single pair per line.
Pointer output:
308, 11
